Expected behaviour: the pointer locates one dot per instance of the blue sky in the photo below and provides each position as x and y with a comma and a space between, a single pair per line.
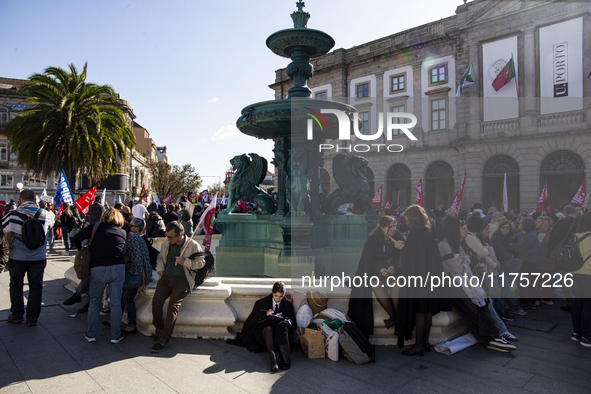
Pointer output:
189, 67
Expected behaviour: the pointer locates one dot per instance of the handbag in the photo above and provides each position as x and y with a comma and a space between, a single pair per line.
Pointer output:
82, 259
142, 289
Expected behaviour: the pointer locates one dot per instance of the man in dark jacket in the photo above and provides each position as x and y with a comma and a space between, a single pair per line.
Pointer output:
563, 231
155, 226
95, 211
171, 215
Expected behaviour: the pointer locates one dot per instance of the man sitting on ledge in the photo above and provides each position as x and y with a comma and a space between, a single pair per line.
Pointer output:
177, 279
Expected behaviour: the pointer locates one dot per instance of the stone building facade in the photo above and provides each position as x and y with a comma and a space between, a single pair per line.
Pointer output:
532, 129
126, 183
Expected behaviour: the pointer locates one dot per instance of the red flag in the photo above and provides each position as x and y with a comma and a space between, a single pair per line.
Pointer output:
419, 190
505, 76
543, 198
387, 205
193, 197
441, 207
144, 194
455, 203
579, 198
377, 198
85, 200
204, 196
58, 231
206, 222
457, 200
168, 199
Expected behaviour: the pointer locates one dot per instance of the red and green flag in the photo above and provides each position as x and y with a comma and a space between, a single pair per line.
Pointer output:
505, 76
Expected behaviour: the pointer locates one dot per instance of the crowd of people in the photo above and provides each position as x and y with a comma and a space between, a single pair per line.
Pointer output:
488, 244
497, 246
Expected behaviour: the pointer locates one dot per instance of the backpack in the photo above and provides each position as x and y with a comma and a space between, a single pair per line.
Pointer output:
569, 258
356, 346
202, 273
152, 251
33, 233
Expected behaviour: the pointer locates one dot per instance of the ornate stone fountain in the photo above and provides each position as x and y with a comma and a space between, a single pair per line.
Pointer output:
293, 234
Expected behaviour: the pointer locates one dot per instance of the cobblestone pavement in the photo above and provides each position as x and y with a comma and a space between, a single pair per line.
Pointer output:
55, 357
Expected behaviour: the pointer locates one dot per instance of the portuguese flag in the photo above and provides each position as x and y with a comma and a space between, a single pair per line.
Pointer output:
505, 76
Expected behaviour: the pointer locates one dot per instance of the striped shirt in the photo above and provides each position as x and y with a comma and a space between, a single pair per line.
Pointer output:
13, 224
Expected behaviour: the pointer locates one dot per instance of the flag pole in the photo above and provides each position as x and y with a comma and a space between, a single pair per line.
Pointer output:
516, 84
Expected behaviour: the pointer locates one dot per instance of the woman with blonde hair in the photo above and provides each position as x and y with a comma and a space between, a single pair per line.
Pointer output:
417, 304
107, 267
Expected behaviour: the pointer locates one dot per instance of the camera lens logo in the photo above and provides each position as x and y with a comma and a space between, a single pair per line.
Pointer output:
315, 116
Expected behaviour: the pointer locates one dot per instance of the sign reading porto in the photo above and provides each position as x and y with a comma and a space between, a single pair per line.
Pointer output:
560, 58
345, 130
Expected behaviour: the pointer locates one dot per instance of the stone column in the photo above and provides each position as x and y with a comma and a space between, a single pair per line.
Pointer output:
529, 63
475, 93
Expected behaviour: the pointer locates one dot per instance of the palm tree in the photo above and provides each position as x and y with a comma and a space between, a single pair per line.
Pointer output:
72, 125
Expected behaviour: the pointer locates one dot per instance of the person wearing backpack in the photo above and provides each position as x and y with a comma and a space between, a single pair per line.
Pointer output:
563, 231
581, 309
25, 229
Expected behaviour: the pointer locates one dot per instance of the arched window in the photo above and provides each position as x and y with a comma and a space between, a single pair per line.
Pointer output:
565, 172
493, 173
398, 186
438, 185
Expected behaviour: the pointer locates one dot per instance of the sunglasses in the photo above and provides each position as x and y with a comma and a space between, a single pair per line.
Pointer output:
505, 228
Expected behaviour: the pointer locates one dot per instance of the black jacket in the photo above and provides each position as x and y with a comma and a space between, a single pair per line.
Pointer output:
255, 322
155, 227
560, 232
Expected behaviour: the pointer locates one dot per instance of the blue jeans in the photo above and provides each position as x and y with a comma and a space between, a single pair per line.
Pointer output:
132, 283
506, 292
34, 271
49, 237
114, 276
66, 230
511, 266
84, 287
499, 324
581, 309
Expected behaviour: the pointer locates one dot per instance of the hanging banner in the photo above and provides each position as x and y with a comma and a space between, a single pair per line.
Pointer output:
387, 205
561, 66
504, 103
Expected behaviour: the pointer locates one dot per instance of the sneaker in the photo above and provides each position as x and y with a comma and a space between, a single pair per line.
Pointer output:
90, 339
537, 303
531, 306
506, 317
509, 337
500, 344
15, 319
548, 302
566, 308
84, 309
576, 337
106, 312
160, 346
113, 341
65, 253
76, 298
585, 342
519, 312
31, 322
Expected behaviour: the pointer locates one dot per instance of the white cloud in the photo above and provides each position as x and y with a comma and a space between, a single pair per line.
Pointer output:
225, 132
213, 100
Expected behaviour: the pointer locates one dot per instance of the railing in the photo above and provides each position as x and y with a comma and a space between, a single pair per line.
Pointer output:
561, 119
504, 126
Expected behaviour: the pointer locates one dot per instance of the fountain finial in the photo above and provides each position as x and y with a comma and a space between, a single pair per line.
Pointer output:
300, 17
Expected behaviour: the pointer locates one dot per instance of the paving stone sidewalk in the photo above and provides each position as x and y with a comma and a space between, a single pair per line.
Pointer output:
54, 357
